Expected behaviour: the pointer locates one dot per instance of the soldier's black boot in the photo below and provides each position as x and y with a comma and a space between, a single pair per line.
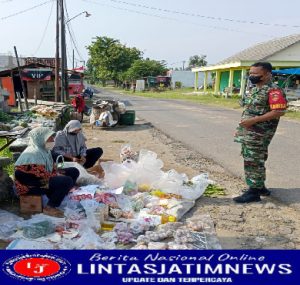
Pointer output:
264, 191
251, 195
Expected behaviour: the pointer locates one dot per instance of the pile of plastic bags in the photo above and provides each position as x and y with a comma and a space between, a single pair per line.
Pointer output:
134, 198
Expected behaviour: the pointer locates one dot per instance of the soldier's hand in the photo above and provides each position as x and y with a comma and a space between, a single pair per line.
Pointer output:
248, 122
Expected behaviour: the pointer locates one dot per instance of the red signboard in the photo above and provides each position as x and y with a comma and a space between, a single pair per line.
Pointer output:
33, 74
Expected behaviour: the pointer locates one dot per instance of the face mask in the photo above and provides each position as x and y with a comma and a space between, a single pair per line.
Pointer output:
255, 79
49, 145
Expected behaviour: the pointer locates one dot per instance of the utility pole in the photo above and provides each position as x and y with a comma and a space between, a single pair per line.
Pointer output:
56, 95
73, 59
63, 58
22, 83
183, 62
64, 46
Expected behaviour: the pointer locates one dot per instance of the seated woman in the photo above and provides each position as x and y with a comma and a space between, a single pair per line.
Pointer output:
70, 142
35, 173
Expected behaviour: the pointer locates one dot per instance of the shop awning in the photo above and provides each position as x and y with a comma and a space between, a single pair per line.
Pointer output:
289, 71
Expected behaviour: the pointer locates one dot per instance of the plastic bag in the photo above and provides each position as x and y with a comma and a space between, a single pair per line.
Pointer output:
130, 188
84, 177
88, 240
178, 208
93, 214
124, 203
30, 244
9, 224
127, 153
38, 229
170, 182
84, 192
117, 174
196, 190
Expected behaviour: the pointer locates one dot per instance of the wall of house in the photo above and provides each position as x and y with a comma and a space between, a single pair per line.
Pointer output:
187, 78
291, 53
31, 86
224, 80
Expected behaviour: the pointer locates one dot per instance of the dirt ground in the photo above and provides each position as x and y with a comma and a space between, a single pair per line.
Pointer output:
268, 224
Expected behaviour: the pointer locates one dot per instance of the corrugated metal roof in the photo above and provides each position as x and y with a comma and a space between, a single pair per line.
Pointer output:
263, 50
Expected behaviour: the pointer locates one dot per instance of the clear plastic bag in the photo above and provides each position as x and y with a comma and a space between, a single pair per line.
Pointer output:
170, 182
84, 178
196, 190
127, 153
117, 174
9, 224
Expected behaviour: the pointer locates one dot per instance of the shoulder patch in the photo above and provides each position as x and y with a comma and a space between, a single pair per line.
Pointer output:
277, 100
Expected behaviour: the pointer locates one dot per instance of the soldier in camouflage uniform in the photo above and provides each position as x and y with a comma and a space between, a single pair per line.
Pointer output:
262, 109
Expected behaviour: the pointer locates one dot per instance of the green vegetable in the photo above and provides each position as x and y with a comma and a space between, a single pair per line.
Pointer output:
213, 190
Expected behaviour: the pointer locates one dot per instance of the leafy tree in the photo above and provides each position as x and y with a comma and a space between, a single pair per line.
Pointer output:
145, 67
197, 60
109, 59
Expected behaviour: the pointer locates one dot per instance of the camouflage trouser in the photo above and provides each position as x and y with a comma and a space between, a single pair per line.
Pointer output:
255, 157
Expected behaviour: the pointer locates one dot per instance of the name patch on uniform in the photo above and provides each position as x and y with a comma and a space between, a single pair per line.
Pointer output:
277, 100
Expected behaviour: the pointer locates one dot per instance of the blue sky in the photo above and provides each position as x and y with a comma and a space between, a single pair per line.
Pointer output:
162, 35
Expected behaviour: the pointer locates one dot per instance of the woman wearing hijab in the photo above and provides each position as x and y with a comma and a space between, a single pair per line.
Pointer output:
70, 142
35, 173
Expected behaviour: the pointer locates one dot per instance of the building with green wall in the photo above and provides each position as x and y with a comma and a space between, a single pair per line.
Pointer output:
232, 72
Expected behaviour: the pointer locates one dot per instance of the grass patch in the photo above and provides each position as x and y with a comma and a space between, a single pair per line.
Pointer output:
213, 191
292, 115
6, 153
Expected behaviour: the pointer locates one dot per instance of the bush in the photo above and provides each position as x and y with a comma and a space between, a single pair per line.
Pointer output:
178, 84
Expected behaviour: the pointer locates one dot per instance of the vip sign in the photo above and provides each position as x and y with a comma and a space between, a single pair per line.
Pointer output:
32, 74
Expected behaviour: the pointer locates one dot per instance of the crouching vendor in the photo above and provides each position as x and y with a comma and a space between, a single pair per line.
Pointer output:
35, 173
70, 143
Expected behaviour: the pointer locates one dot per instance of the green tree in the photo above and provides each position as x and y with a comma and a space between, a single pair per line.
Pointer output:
197, 60
109, 59
145, 67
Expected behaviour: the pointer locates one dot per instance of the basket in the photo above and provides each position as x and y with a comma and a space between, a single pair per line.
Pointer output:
128, 118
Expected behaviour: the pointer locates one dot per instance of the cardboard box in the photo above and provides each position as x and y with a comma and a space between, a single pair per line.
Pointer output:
31, 204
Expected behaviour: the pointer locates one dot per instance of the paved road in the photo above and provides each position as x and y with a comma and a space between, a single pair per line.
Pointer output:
209, 130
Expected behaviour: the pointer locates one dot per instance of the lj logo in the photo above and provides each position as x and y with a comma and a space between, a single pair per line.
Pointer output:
42, 267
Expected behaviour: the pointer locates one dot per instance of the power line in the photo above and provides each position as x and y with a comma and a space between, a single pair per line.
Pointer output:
45, 30
71, 33
204, 16
178, 20
26, 10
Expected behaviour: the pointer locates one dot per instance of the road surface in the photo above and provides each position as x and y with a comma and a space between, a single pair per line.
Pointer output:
209, 130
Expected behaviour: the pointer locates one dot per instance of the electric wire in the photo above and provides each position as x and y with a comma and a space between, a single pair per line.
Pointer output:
24, 11
181, 21
72, 34
204, 16
45, 31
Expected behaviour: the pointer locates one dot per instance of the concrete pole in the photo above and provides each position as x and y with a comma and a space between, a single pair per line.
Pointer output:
56, 95
196, 81
205, 81
63, 58
230, 82
243, 81
217, 82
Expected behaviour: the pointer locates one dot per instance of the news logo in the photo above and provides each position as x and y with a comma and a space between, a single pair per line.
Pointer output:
36, 267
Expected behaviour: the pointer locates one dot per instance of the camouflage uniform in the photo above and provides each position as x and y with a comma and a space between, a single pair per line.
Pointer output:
256, 139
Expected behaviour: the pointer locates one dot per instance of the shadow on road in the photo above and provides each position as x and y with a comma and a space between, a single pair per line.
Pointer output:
290, 196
